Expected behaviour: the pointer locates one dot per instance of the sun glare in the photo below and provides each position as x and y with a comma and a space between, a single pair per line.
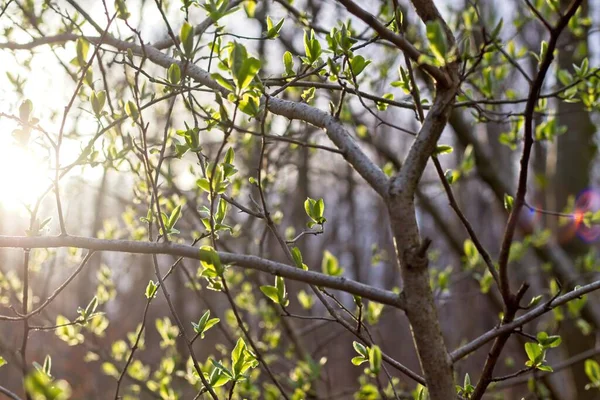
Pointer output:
23, 178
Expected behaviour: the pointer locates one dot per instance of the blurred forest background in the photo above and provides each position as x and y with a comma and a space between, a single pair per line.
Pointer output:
106, 198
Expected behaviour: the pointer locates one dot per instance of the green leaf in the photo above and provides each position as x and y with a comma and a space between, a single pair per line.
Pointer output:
47, 367
82, 46
132, 110
451, 176
545, 368
204, 184
308, 94
91, 307
151, 290
175, 215
288, 63
174, 74
209, 260
297, 256
121, 8
273, 30
236, 57
358, 360
543, 51
204, 324
375, 359
330, 265
592, 370
535, 301
548, 341
281, 291
437, 41
305, 300
238, 357
98, 100
508, 202
373, 313
358, 64
271, 292
222, 81
381, 106
210, 323
360, 349
2, 361
442, 149
229, 156
312, 47
309, 205
497, 29
247, 72
186, 34
534, 353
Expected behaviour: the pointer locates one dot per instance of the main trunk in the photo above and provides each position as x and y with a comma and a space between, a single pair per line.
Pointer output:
420, 305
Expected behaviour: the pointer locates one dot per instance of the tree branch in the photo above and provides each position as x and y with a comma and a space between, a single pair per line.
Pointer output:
438, 74
181, 250
522, 320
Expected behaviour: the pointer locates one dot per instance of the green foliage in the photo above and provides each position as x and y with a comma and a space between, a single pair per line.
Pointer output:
169, 222
363, 353
68, 331
358, 64
217, 9
472, 257
186, 35
98, 99
167, 331
41, 386
121, 7
592, 370
508, 202
339, 40
306, 300
315, 210
437, 41
273, 30
536, 352
151, 290
132, 111
215, 135
467, 389
242, 361
288, 63
312, 48
297, 256
204, 324
371, 354
192, 141
210, 262
330, 265
373, 312
174, 74
442, 149
278, 293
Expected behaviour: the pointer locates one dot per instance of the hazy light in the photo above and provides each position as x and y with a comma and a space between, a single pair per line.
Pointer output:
23, 178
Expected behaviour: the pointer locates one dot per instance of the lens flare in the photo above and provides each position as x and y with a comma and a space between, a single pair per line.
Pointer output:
587, 201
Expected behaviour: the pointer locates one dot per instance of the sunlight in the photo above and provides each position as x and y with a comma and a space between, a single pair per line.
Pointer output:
23, 178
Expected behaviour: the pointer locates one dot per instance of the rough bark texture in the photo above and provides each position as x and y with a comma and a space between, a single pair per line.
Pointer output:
412, 253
